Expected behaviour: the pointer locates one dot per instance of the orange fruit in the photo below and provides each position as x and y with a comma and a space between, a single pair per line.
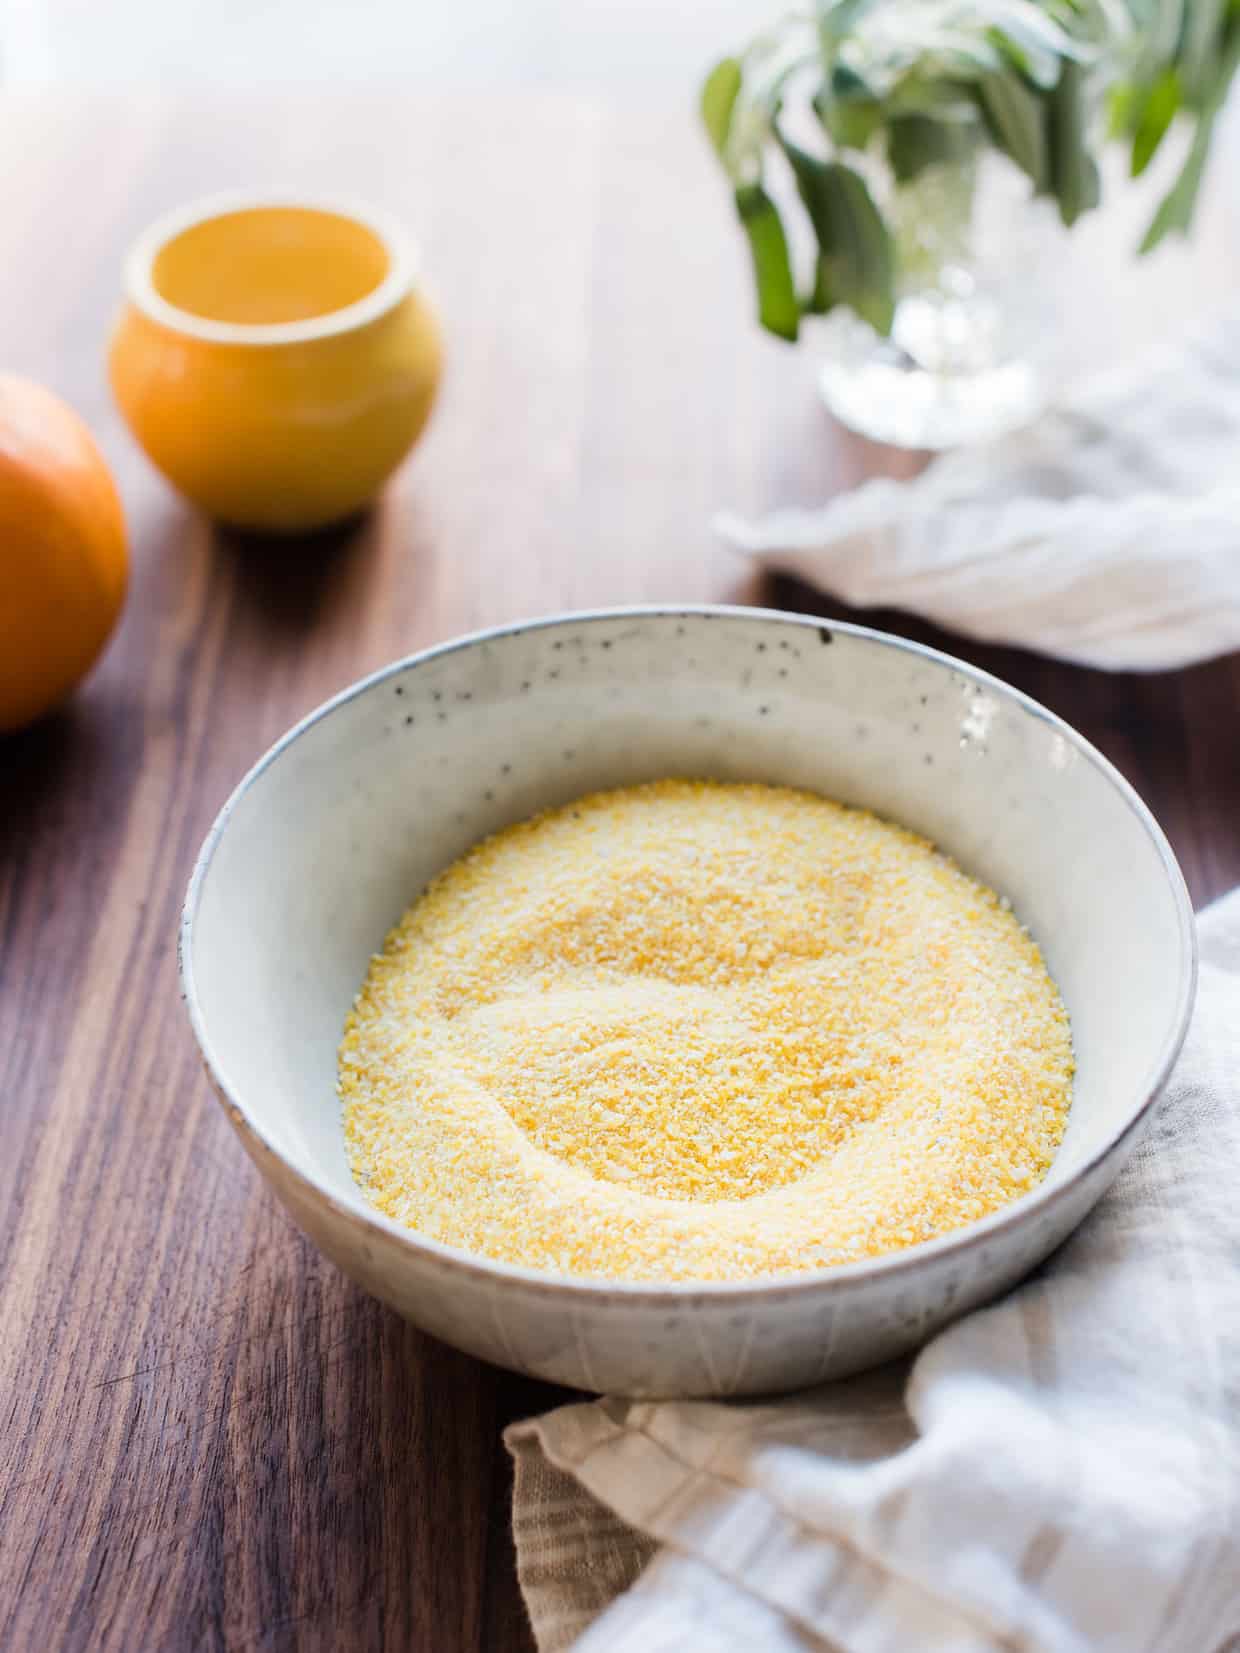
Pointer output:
63, 562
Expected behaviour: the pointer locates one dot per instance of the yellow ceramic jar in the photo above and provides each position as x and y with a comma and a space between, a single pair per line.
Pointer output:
275, 359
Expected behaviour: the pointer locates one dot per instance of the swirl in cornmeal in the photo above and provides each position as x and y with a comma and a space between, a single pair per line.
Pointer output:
702, 1031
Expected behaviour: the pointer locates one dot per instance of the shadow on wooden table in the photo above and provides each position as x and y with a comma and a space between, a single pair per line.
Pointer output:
296, 583
74, 744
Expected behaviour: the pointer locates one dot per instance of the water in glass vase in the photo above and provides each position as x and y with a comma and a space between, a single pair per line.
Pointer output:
971, 348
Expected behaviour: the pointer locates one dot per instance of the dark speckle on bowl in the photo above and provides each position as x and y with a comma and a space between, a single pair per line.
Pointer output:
409, 720
400, 688
824, 636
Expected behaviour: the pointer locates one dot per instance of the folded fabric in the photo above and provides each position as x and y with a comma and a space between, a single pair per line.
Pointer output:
1059, 1473
1108, 533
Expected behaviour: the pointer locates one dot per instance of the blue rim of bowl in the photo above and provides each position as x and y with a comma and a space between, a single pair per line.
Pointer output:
840, 1276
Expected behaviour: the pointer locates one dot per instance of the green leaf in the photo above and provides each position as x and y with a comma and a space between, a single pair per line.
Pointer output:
838, 18
847, 83
847, 108
944, 99
915, 142
719, 96
1031, 27
1032, 40
1175, 214
1090, 188
852, 125
1017, 123
1157, 113
1123, 108
850, 122
1074, 173
855, 260
969, 56
778, 309
1163, 37
820, 300
1200, 44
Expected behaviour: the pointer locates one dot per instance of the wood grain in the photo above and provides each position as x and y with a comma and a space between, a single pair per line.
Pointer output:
208, 1438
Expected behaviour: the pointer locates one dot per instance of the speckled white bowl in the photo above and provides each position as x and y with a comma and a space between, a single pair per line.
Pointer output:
332, 834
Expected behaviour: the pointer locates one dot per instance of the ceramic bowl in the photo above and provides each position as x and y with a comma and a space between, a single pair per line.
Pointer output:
276, 359
341, 824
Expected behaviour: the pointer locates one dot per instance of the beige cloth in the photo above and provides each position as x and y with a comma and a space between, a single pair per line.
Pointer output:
1108, 533
1059, 1473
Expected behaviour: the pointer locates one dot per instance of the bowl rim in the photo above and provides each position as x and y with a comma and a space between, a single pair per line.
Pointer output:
399, 280
837, 1277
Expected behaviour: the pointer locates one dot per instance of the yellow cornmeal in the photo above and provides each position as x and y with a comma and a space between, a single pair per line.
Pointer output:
707, 1031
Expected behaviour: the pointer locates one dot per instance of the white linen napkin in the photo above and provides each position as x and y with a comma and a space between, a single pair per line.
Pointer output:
1059, 1473
1107, 533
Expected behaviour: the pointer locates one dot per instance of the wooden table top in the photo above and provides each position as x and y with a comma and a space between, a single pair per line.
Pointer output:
208, 1437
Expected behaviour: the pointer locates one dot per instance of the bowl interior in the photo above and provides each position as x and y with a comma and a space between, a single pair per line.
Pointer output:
341, 827
269, 265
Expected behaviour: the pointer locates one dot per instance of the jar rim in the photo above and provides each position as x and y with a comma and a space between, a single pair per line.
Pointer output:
397, 282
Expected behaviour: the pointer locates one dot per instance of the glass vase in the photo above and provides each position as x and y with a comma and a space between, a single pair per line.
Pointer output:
971, 351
